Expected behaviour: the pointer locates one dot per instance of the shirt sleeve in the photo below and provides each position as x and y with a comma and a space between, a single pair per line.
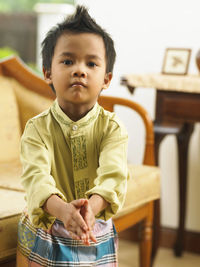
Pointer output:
112, 173
36, 176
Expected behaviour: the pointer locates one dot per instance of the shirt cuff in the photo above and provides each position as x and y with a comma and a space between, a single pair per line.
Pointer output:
38, 216
115, 202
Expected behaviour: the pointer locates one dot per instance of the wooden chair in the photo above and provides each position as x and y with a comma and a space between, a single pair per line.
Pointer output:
24, 95
144, 212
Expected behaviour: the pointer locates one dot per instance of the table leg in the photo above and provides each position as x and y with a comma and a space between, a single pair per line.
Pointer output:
160, 132
183, 141
156, 220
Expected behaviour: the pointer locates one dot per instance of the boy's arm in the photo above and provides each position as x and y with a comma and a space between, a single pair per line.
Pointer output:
97, 203
112, 173
36, 178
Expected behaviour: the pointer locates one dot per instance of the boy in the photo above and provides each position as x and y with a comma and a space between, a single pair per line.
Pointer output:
74, 154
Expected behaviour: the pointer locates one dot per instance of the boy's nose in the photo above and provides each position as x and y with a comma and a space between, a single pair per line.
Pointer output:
79, 72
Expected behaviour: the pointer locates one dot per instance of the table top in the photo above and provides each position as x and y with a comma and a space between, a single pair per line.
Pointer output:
181, 83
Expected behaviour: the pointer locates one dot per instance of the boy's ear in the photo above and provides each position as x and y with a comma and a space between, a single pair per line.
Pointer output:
107, 80
47, 76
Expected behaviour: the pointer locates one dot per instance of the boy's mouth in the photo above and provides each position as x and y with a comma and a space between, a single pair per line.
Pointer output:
78, 84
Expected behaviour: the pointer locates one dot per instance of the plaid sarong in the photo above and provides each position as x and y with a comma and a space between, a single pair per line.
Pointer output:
55, 249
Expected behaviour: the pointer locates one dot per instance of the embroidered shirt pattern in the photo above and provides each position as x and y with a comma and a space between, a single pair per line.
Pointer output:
79, 154
81, 187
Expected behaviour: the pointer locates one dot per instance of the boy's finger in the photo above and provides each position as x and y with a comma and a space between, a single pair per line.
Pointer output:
92, 237
80, 221
82, 234
89, 220
85, 239
73, 235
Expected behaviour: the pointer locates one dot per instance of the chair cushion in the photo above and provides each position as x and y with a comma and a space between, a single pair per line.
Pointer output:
10, 173
10, 130
143, 186
13, 205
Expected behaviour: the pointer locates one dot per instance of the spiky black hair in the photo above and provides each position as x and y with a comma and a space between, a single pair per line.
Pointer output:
79, 22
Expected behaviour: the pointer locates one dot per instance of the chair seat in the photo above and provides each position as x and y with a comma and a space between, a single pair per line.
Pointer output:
143, 186
9, 175
12, 204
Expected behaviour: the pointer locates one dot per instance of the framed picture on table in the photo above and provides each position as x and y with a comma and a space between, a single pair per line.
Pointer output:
176, 61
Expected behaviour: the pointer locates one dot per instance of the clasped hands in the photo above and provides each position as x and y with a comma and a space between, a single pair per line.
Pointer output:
79, 220
78, 216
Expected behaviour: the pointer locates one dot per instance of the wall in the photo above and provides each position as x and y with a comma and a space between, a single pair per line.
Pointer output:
142, 30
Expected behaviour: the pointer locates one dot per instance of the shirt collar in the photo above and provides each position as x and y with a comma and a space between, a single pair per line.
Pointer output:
61, 117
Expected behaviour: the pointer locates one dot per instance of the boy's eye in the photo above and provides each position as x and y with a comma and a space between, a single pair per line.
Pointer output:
92, 64
67, 62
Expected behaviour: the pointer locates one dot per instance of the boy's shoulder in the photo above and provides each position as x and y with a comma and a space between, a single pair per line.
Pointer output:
109, 116
37, 124
40, 116
110, 119
39, 120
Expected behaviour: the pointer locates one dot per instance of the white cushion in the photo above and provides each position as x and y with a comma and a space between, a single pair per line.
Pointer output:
143, 186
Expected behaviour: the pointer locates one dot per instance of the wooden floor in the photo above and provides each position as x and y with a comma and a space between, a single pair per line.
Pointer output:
128, 257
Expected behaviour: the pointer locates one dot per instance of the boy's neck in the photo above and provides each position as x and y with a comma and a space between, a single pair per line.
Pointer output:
76, 112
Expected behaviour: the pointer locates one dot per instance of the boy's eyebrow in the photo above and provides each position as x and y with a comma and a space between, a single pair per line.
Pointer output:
94, 57
69, 54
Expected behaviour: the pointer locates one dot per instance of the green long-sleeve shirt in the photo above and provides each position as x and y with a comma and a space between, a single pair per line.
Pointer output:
73, 160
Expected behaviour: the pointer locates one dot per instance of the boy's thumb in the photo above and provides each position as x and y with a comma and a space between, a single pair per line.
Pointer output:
78, 203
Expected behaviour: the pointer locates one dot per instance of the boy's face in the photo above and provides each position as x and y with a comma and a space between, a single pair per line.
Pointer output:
78, 70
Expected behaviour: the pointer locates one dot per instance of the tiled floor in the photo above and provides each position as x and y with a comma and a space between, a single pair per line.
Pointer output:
128, 257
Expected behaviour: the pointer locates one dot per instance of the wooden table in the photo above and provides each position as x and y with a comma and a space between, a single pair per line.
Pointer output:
177, 109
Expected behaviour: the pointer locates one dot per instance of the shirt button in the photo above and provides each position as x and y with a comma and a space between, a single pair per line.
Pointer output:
74, 127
